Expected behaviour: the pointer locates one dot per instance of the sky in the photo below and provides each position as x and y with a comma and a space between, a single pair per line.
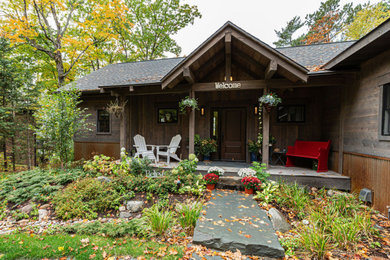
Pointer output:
258, 17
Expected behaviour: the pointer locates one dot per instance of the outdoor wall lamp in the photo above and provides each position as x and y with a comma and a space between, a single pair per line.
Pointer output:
256, 109
202, 111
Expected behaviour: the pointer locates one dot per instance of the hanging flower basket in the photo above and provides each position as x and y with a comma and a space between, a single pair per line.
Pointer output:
116, 108
188, 104
270, 100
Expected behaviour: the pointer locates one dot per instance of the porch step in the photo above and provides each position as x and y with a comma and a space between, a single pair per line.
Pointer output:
234, 221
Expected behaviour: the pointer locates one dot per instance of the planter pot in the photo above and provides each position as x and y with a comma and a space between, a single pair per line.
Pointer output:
249, 191
210, 186
188, 110
253, 157
206, 157
267, 107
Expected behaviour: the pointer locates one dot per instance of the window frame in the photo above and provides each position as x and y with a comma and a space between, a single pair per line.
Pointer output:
292, 122
381, 122
97, 123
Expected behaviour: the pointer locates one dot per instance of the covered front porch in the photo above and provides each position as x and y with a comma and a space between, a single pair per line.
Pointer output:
299, 175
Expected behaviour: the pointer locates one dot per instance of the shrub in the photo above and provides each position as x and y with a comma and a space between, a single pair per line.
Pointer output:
315, 241
269, 192
158, 220
260, 170
99, 165
188, 213
134, 227
85, 199
294, 197
37, 185
139, 166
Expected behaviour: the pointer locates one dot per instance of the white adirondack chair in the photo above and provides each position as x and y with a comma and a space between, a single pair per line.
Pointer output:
142, 148
170, 149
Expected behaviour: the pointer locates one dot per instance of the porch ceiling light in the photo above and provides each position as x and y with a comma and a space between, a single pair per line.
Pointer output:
202, 111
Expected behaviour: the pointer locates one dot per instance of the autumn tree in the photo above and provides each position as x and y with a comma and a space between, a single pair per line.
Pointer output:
63, 30
323, 25
367, 19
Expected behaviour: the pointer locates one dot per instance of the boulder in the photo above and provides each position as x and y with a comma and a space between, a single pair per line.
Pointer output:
124, 214
27, 209
278, 220
23, 222
45, 206
43, 214
122, 208
104, 179
134, 205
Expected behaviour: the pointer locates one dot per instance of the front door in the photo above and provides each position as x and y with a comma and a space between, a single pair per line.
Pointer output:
232, 138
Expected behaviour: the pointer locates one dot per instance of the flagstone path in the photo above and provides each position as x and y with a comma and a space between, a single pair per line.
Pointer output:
232, 220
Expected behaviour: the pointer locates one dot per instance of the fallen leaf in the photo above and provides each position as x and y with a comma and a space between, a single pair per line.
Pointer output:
61, 248
173, 251
247, 236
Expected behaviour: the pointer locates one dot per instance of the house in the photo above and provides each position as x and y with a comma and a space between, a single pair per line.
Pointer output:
335, 91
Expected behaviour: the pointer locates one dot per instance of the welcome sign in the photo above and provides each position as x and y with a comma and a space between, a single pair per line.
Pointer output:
225, 85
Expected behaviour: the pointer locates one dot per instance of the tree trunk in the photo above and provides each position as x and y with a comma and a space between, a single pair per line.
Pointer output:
5, 154
13, 153
60, 68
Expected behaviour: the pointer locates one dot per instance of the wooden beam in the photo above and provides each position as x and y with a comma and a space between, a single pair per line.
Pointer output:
244, 85
249, 63
210, 65
114, 93
266, 51
123, 126
188, 75
271, 69
191, 59
228, 56
191, 128
266, 126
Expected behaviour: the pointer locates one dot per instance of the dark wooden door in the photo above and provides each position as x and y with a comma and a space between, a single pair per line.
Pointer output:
233, 122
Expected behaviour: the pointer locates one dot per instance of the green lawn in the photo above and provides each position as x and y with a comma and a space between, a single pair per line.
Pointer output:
28, 246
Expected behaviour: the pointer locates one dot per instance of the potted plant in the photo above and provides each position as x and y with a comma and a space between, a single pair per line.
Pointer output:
207, 146
211, 179
270, 100
253, 148
216, 170
188, 104
250, 183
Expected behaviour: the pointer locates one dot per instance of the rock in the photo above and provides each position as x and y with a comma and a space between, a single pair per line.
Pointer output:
330, 193
305, 222
27, 209
45, 206
125, 214
23, 222
43, 214
279, 221
104, 179
134, 205
122, 208
314, 189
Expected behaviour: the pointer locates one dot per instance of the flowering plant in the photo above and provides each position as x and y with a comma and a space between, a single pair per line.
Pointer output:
211, 178
244, 172
271, 99
251, 182
208, 146
253, 146
216, 170
187, 102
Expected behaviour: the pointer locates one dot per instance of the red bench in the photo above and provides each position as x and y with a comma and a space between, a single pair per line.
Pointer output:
312, 150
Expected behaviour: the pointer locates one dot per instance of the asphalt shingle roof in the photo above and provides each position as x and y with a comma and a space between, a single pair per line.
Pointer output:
314, 55
152, 71
129, 73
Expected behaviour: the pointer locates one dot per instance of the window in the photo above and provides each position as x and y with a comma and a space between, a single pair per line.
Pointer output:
291, 113
103, 121
386, 110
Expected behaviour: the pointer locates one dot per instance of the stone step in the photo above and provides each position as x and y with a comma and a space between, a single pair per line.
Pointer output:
232, 220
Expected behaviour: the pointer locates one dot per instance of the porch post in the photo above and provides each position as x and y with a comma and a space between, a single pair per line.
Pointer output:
266, 123
123, 126
191, 126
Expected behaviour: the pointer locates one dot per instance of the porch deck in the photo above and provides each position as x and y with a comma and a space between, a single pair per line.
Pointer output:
302, 176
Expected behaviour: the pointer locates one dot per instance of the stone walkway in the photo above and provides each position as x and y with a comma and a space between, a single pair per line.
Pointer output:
233, 220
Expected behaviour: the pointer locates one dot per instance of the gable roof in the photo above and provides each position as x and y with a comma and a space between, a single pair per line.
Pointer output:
287, 65
130, 73
315, 55
372, 44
